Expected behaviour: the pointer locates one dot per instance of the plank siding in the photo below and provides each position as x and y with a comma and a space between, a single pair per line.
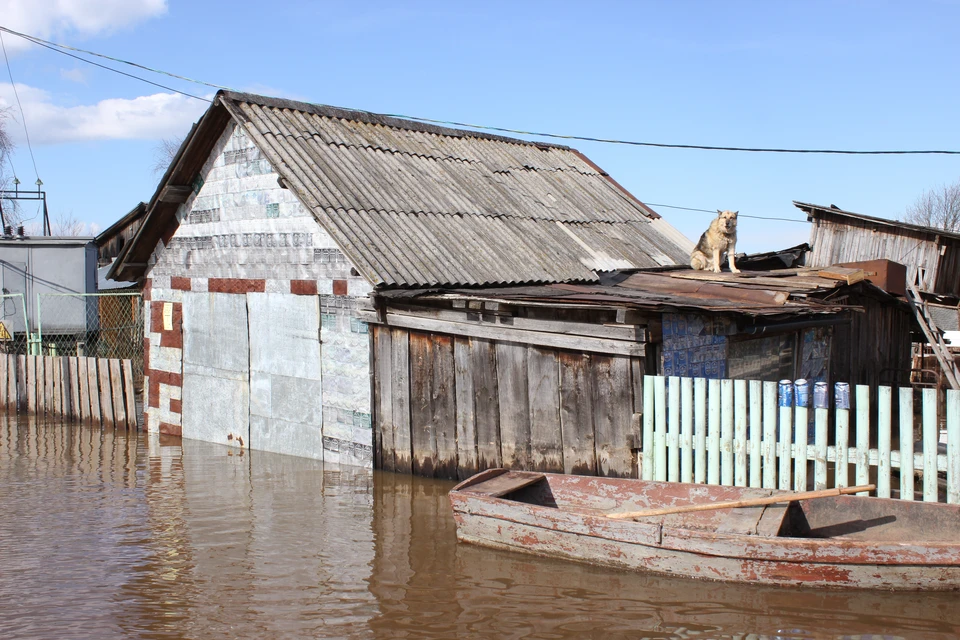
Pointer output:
383, 398
483, 357
576, 414
514, 405
467, 461
546, 443
422, 429
444, 406
612, 406
399, 345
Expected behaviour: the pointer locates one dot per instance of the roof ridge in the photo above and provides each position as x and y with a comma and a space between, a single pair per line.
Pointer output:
370, 117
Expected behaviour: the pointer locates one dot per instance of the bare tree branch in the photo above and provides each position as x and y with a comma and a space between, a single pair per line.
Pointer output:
939, 208
165, 152
67, 225
12, 213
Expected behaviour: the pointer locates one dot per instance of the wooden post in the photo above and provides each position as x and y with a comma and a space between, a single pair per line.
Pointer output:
32, 384
821, 419
726, 432
700, 429
863, 434
660, 429
12, 374
906, 444
713, 432
106, 404
673, 436
116, 389
686, 429
786, 443
74, 368
4, 398
769, 447
884, 397
647, 464
83, 380
740, 432
756, 433
94, 389
931, 438
802, 426
129, 394
953, 446
22, 386
843, 443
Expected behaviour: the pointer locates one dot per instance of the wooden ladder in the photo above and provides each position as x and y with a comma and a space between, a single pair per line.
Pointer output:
934, 337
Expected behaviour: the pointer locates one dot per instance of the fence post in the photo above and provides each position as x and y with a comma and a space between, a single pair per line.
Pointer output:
769, 435
713, 434
740, 432
863, 434
841, 399
686, 430
673, 435
930, 441
700, 429
906, 443
649, 411
821, 418
726, 432
953, 446
785, 397
660, 429
884, 396
756, 434
802, 431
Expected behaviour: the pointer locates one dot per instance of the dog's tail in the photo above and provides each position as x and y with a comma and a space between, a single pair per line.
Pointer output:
698, 261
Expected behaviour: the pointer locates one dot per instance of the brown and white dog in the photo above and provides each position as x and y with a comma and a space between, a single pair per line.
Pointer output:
719, 238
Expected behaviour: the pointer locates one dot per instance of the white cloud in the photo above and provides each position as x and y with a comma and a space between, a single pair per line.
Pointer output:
51, 19
152, 117
74, 75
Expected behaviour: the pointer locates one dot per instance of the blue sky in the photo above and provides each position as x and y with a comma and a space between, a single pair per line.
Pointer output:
842, 75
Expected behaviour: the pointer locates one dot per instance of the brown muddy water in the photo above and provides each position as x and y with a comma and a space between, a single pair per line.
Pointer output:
106, 534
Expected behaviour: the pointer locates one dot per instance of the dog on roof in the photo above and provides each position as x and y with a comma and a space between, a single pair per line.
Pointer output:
719, 238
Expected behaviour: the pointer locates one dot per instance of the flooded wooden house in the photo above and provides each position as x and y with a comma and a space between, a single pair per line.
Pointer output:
277, 219
550, 377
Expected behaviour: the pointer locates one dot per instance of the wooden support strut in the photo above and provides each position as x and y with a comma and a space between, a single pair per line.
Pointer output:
750, 502
932, 333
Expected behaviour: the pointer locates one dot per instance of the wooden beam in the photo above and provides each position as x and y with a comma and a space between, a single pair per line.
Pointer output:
510, 334
175, 194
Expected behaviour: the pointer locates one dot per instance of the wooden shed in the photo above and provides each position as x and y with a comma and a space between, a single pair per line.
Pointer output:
550, 377
932, 256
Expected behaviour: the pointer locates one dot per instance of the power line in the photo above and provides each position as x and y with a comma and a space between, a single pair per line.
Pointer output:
43, 42
61, 48
714, 211
53, 47
23, 118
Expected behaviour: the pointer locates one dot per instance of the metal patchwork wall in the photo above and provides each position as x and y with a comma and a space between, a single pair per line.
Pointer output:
250, 298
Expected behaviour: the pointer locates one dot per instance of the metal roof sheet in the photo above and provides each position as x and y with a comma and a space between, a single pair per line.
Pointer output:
414, 205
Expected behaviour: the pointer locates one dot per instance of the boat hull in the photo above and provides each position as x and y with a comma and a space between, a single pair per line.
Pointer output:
664, 548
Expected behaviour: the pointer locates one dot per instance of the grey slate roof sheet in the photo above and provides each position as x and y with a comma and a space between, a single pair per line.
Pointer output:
417, 205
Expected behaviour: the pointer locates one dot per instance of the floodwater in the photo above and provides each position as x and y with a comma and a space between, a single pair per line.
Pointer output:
105, 534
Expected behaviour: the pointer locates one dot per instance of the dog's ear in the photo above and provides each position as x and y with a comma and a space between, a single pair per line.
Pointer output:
736, 212
719, 213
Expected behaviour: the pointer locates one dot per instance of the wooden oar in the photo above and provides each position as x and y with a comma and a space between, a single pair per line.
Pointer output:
750, 502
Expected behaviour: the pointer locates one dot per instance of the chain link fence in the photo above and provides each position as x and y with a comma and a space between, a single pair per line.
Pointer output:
97, 325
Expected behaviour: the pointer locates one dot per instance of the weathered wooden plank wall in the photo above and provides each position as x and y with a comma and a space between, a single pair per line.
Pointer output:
449, 406
69, 387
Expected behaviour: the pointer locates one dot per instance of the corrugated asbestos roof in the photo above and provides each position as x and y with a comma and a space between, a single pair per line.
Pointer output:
417, 205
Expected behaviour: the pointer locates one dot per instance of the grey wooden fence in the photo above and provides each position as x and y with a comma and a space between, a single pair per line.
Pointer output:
92, 390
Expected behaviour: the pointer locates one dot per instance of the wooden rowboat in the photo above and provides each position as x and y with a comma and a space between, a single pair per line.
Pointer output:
840, 541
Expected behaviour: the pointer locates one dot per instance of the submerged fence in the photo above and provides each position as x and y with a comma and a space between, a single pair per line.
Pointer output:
92, 390
752, 433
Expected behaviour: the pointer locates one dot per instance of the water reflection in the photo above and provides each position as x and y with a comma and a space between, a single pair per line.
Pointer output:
104, 534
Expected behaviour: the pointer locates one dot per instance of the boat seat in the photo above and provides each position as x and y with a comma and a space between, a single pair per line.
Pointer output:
763, 520
505, 483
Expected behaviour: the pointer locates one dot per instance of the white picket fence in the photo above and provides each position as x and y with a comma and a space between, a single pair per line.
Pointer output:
734, 432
